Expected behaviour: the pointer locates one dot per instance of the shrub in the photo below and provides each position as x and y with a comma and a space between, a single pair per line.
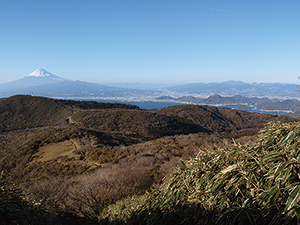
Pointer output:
51, 193
88, 194
255, 183
14, 209
105, 186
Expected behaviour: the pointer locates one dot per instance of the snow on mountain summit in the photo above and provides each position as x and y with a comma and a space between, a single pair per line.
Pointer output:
39, 73
43, 73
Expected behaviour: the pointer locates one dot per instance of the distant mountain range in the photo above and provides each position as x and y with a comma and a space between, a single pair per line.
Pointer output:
36, 78
216, 100
231, 88
290, 107
43, 83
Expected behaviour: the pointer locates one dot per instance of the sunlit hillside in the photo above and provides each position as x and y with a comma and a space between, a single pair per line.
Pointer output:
103, 163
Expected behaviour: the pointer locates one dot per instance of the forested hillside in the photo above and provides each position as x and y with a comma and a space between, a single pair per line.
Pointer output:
22, 112
78, 159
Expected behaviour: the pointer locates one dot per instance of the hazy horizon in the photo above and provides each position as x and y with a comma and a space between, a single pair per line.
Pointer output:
148, 84
156, 42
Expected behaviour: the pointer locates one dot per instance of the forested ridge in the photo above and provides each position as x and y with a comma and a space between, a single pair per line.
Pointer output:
88, 162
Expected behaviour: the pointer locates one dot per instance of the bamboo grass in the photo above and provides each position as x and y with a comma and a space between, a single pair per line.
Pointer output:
255, 183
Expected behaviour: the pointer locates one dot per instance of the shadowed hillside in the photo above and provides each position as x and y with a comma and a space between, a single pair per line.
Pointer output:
21, 112
24, 111
217, 120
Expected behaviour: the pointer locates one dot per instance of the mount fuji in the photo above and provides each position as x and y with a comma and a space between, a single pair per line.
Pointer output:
36, 78
41, 73
43, 83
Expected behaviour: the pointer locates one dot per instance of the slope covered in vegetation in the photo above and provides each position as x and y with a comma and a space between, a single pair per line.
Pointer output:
102, 133
14, 209
255, 183
217, 120
81, 158
23, 112
252, 183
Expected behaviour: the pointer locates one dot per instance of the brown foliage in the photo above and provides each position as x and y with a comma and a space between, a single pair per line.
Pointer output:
21, 112
87, 194
113, 155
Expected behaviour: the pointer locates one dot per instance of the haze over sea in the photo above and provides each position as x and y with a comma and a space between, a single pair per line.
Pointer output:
157, 105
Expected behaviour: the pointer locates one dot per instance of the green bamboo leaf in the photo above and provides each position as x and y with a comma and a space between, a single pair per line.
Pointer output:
273, 157
252, 157
252, 192
277, 195
293, 198
286, 175
238, 181
229, 168
222, 202
229, 184
289, 137
245, 203
270, 195
249, 179
280, 168
183, 164
218, 185
291, 214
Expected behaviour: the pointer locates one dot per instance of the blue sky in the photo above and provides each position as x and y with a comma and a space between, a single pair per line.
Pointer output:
152, 41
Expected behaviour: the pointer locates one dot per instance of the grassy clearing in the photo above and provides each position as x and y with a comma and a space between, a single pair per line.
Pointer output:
67, 153
54, 150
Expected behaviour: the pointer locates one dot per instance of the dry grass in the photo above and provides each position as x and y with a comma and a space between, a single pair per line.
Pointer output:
54, 150
87, 194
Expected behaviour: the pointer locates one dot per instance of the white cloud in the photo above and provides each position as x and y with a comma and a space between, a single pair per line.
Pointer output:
215, 9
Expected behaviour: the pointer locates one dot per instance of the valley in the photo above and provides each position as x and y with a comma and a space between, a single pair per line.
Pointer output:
80, 158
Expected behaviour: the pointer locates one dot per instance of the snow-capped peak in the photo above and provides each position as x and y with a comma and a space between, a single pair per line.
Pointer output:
39, 73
